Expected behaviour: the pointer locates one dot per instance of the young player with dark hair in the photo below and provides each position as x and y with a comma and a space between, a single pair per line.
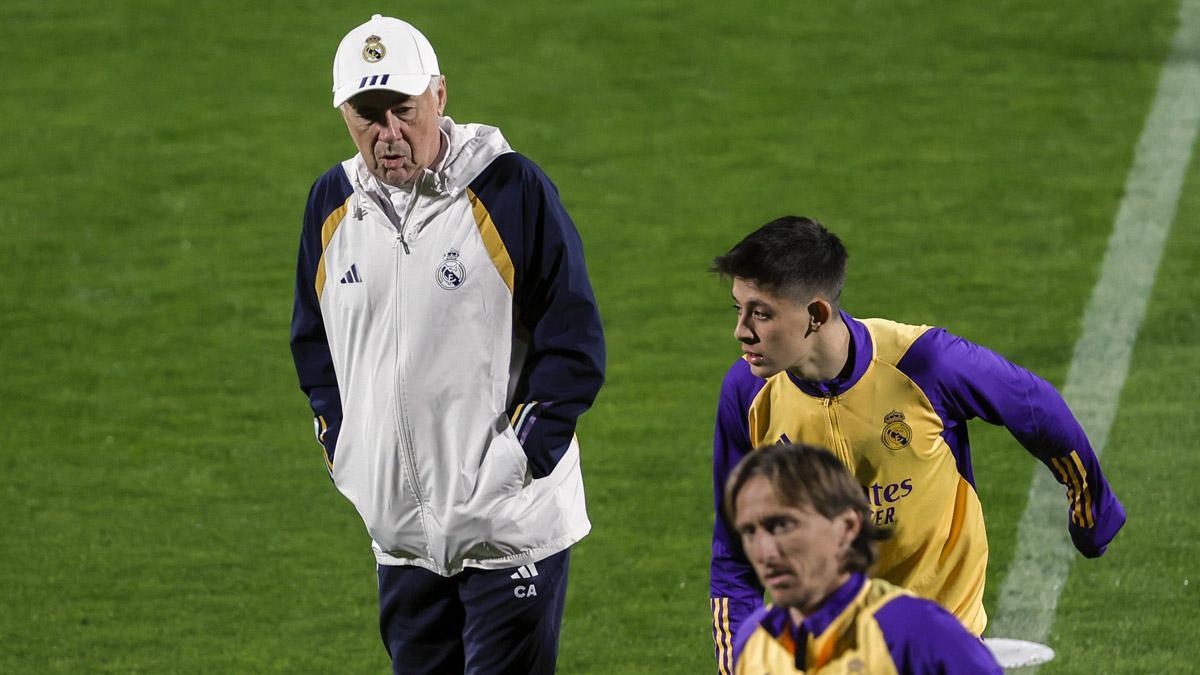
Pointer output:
892, 401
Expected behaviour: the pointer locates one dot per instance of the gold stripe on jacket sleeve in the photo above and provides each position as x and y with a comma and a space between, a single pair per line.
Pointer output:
327, 229
492, 241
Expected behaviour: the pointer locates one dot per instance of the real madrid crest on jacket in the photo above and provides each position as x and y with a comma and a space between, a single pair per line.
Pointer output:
448, 339
451, 274
897, 416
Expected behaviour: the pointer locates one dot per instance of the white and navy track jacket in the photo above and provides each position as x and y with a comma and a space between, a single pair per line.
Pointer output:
447, 351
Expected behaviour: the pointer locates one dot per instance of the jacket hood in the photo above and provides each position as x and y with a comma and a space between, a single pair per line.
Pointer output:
471, 148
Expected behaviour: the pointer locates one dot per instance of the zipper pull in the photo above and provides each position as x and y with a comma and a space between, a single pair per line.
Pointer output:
405, 245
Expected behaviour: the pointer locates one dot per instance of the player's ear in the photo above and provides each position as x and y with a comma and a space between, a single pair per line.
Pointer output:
441, 95
851, 521
819, 313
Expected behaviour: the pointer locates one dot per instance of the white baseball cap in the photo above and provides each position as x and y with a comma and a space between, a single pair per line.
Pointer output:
383, 53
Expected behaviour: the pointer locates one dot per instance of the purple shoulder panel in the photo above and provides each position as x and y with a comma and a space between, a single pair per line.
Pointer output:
968, 381
964, 380
774, 620
929, 363
924, 638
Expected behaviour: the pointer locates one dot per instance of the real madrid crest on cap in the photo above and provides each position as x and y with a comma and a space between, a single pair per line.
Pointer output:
896, 434
373, 51
451, 274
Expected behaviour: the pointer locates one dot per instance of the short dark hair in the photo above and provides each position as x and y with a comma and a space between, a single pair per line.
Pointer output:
804, 475
792, 254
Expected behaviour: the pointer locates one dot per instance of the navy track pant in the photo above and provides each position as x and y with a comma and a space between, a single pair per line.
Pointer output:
481, 622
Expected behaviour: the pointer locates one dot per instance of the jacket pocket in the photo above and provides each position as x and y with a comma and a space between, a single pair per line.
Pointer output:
484, 528
502, 472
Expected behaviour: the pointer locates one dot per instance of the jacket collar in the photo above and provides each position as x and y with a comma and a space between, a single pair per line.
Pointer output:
819, 621
467, 149
778, 620
861, 353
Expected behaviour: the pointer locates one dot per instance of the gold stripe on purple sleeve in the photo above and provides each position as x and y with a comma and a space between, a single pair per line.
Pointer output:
1067, 477
721, 633
1087, 496
728, 634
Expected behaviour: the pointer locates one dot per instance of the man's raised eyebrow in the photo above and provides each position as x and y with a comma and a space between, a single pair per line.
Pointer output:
751, 302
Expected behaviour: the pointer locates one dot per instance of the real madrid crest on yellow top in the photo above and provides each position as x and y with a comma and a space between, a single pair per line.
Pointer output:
896, 434
373, 51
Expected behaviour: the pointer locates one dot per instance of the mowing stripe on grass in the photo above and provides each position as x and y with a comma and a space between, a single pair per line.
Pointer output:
1044, 555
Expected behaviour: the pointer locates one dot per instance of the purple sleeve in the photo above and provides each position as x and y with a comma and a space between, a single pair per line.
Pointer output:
734, 588
924, 638
964, 380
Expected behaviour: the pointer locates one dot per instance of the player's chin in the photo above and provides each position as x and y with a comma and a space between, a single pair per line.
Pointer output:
785, 595
762, 368
397, 177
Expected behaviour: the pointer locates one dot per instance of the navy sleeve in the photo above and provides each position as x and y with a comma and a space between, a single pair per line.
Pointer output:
310, 346
735, 591
964, 380
553, 304
924, 638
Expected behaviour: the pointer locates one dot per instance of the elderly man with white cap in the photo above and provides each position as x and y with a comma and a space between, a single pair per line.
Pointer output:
447, 337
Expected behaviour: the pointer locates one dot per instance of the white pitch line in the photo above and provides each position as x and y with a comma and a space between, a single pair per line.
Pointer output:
1029, 596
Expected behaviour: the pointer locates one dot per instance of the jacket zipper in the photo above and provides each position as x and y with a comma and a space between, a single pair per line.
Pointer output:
408, 216
840, 446
400, 238
403, 428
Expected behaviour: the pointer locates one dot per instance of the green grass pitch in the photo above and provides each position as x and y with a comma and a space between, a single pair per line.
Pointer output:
165, 508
